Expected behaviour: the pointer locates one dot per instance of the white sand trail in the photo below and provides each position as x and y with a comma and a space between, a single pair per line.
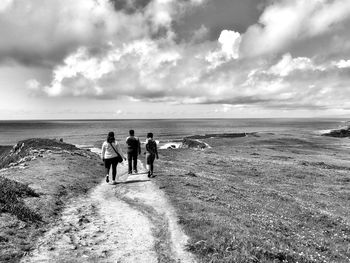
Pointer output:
128, 222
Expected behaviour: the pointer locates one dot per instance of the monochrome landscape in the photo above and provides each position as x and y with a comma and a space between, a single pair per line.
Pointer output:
248, 102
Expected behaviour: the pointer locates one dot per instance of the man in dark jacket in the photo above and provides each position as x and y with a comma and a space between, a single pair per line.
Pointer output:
134, 149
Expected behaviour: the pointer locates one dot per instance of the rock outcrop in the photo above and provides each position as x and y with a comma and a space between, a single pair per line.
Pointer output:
340, 133
193, 143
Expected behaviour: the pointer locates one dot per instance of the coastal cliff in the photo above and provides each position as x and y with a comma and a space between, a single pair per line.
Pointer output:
37, 178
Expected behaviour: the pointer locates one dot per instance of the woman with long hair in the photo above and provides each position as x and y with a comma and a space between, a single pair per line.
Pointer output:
111, 155
151, 153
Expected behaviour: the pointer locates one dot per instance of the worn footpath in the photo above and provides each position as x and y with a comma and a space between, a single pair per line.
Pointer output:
128, 222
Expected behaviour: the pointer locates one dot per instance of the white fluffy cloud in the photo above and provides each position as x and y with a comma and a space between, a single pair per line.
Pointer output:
138, 67
97, 50
41, 32
343, 63
288, 64
229, 42
45, 32
286, 22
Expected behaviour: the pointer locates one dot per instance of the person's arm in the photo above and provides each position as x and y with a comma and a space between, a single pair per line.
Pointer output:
147, 147
103, 151
119, 150
156, 151
139, 145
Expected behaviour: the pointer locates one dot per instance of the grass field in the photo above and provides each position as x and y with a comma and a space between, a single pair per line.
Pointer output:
262, 198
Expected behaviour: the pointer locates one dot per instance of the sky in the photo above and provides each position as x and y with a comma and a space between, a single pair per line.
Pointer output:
121, 59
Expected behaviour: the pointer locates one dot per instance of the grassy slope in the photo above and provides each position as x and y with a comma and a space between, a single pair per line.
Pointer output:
4, 150
32, 198
262, 199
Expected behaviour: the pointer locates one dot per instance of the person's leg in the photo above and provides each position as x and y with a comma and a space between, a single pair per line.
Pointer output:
151, 168
148, 163
107, 167
152, 164
134, 157
129, 163
114, 171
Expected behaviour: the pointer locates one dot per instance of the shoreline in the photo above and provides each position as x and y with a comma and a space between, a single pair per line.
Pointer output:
86, 133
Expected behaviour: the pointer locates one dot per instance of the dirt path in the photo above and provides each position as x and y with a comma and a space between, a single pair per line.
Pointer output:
128, 222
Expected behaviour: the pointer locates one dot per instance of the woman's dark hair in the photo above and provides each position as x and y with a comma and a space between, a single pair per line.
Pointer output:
149, 135
110, 137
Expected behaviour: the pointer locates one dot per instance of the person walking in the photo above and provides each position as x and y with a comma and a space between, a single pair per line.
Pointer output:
111, 155
151, 153
134, 149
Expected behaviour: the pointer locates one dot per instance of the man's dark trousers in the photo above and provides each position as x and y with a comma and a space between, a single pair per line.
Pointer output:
132, 161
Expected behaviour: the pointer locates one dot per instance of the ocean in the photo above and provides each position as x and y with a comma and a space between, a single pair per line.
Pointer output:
91, 133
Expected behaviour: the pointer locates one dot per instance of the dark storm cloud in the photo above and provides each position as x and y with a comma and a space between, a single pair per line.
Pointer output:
217, 15
130, 6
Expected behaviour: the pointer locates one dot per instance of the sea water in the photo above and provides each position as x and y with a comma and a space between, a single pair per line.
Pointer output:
91, 133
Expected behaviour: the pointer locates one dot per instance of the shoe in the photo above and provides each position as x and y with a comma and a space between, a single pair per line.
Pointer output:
129, 172
149, 174
107, 178
114, 182
135, 171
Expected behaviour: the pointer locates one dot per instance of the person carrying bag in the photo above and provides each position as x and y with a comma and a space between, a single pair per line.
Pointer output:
111, 155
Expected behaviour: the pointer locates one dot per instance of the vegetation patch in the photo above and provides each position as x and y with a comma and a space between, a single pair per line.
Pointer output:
11, 200
244, 208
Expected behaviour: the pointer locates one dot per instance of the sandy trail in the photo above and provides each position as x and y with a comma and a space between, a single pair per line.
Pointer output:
128, 222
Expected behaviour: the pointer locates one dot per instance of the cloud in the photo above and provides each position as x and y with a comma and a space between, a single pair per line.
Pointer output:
286, 22
130, 6
129, 71
5, 4
343, 63
229, 42
33, 84
288, 64
106, 49
44, 32
143, 70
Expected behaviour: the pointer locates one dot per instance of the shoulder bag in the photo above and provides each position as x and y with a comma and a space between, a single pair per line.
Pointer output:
119, 158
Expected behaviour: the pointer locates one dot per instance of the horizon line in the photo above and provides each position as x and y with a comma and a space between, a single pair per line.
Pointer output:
185, 118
